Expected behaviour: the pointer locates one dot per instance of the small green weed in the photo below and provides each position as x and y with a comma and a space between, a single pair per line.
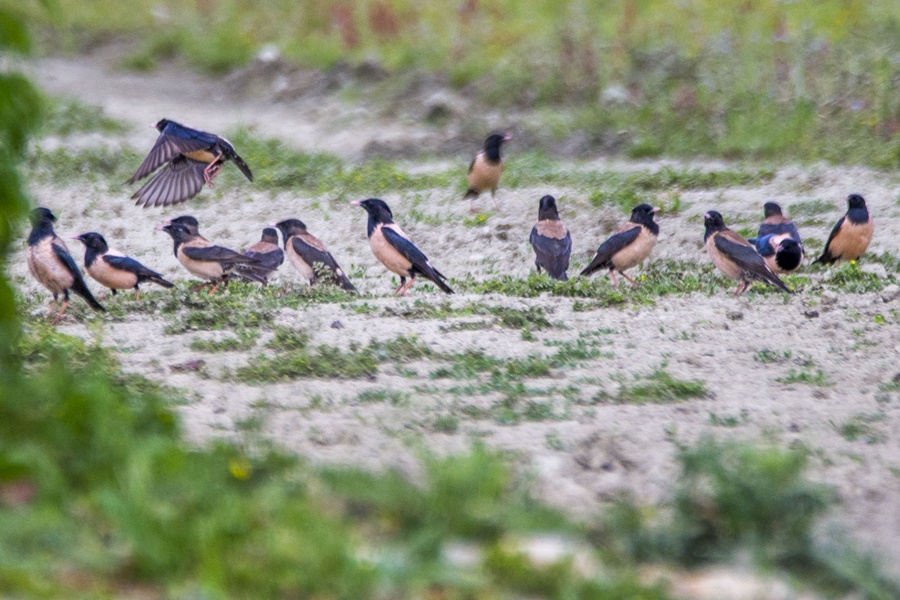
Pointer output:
660, 387
862, 427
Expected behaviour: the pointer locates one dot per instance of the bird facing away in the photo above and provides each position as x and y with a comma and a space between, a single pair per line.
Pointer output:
629, 246
267, 253
851, 234
735, 257
112, 269
393, 248
778, 241
215, 263
551, 240
485, 169
310, 256
191, 158
51, 264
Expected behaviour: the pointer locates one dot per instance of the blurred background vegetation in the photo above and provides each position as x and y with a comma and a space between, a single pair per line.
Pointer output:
102, 497
766, 79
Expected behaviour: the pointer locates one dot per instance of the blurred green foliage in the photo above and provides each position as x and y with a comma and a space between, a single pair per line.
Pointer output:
762, 79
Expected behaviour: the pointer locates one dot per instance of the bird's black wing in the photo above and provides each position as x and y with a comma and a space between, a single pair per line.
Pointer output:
170, 143
78, 285
180, 180
826, 257
552, 253
610, 247
415, 256
749, 260
312, 255
125, 263
778, 229
270, 260
217, 254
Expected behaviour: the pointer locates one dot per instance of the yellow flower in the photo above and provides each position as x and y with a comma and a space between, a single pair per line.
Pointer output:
240, 468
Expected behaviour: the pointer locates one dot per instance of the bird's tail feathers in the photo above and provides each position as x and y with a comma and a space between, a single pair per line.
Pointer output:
471, 194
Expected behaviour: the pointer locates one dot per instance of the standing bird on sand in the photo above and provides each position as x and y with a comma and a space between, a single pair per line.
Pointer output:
112, 269
393, 248
778, 241
851, 234
629, 246
191, 158
551, 241
735, 257
310, 256
215, 263
52, 265
267, 253
485, 170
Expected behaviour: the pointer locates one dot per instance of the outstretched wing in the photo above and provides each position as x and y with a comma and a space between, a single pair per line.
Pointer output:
180, 180
173, 140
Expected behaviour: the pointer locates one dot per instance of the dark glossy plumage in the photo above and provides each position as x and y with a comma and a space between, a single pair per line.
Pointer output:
267, 252
630, 245
735, 257
51, 264
551, 240
851, 235
394, 249
486, 167
310, 256
189, 158
113, 270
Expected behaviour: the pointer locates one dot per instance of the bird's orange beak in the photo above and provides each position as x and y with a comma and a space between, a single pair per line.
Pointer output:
506, 137
161, 227
656, 209
356, 203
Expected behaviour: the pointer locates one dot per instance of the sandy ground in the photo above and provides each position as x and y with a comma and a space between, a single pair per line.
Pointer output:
597, 451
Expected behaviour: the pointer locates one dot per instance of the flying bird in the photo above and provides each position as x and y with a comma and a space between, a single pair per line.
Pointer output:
207, 261
551, 241
778, 241
629, 246
310, 256
851, 234
51, 264
485, 169
112, 269
393, 248
267, 252
191, 158
735, 257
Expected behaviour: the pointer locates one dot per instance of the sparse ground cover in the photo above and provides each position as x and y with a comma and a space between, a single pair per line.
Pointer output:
480, 421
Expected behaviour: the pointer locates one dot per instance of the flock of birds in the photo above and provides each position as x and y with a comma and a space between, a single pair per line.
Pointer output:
184, 159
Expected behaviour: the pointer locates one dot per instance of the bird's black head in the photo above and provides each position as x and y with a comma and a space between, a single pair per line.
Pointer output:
378, 210
179, 233
855, 201
714, 222
186, 221
772, 209
41, 215
492, 145
547, 210
788, 254
162, 123
269, 235
643, 214
93, 241
290, 227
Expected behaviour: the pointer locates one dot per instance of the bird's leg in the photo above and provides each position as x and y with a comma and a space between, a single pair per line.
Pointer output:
494, 198
137, 293
62, 309
473, 210
402, 283
405, 287
612, 275
741, 288
633, 282
200, 286
211, 170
